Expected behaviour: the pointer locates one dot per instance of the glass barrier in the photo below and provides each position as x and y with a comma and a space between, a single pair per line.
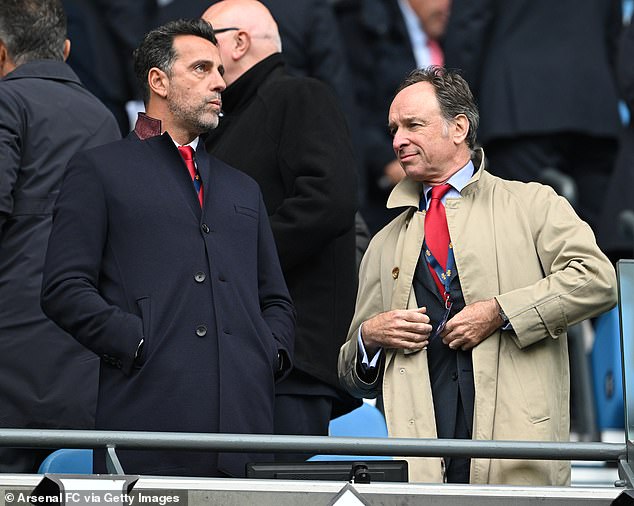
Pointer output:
625, 274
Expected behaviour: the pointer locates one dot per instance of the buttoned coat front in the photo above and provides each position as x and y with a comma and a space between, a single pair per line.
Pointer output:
132, 255
525, 246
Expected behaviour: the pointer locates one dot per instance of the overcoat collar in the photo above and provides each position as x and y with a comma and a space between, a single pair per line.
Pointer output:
164, 152
242, 89
44, 69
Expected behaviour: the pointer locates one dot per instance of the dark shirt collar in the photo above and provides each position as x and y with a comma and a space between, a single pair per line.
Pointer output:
243, 88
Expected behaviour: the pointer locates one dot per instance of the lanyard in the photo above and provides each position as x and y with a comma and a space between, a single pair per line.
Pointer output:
443, 275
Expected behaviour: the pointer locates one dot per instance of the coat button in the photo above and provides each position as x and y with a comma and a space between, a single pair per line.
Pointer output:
558, 331
204, 228
201, 330
454, 376
402, 370
395, 272
199, 276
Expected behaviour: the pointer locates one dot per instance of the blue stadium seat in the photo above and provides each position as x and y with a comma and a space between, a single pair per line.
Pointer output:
67, 461
365, 421
607, 371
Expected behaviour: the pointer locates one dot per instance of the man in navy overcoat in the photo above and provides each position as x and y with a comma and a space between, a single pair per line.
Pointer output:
185, 304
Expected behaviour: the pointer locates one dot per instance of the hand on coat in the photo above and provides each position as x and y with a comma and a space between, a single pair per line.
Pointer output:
472, 325
401, 328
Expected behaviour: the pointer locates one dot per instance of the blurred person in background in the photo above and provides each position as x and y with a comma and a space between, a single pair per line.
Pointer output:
47, 379
384, 40
301, 155
543, 75
616, 232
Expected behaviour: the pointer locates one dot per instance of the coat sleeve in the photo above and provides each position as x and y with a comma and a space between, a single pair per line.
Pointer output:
275, 302
72, 271
369, 303
318, 170
579, 281
10, 154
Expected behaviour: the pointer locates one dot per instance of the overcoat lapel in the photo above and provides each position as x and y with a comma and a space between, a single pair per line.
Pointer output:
166, 157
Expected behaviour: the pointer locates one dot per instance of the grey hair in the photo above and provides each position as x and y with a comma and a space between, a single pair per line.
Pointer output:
453, 94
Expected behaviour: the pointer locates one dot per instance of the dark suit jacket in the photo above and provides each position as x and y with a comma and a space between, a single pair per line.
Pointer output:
538, 66
47, 380
618, 198
380, 56
104, 33
132, 256
300, 153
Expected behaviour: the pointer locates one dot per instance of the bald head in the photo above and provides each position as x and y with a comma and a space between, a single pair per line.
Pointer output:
254, 35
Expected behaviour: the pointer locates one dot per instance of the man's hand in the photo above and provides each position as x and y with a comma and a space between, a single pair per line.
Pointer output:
401, 328
472, 325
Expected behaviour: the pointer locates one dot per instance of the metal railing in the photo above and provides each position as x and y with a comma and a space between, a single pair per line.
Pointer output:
328, 445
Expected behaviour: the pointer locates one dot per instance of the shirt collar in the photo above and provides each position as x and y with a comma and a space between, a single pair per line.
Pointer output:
193, 144
407, 193
458, 181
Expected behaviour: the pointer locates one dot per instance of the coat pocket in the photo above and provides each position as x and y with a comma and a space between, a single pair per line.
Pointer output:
530, 381
145, 311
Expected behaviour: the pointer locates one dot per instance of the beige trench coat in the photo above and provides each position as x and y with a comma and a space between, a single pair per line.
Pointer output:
524, 245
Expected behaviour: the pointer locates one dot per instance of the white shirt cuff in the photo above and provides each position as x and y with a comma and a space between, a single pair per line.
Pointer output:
366, 361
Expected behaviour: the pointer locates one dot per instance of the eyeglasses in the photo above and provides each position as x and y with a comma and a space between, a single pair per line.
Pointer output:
222, 30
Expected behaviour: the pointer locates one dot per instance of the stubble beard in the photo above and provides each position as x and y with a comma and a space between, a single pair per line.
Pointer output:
199, 119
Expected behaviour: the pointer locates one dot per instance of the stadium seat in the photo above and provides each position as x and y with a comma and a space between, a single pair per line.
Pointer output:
365, 421
607, 371
67, 461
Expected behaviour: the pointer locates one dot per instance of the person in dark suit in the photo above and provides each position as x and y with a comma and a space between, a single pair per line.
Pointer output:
47, 380
612, 234
543, 75
301, 155
106, 33
166, 268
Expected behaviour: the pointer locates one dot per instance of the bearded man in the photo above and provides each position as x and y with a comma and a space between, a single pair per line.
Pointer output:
161, 261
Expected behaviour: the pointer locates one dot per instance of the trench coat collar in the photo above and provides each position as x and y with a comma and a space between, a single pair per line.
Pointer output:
407, 193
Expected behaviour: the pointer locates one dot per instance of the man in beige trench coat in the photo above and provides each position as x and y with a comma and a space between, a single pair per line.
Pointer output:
527, 268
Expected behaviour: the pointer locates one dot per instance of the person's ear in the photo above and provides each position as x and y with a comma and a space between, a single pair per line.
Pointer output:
158, 82
66, 49
6, 62
241, 44
461, 128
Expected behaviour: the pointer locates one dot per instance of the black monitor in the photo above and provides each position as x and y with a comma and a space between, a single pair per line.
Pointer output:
359, 471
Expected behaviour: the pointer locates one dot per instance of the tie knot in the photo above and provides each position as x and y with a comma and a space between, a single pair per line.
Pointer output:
187, 152
438, 192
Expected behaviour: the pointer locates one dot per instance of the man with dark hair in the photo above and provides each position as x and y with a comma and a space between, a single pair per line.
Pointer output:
47, 380
465, 297
161, 261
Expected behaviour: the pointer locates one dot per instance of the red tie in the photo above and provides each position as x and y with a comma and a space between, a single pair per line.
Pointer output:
435, 53
187, 152
436, 231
